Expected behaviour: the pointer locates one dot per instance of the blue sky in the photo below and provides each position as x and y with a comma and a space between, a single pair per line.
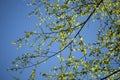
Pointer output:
13, 23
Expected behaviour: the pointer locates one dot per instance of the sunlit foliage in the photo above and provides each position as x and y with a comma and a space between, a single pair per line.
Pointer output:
60, 23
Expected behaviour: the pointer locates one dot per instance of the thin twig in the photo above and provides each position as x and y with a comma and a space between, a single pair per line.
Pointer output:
69, 42
110, 75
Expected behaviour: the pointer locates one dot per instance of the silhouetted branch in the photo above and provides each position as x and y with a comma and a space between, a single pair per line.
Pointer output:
110, 75
69, 42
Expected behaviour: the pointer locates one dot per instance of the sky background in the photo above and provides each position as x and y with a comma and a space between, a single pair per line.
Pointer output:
13, 23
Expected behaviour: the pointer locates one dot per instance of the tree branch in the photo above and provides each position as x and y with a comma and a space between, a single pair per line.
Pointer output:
110, 74
70, 41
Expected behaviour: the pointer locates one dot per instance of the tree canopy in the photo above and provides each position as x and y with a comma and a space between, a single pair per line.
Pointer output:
60, 25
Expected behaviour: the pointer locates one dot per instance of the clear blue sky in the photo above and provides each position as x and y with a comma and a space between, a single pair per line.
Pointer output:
13, 23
